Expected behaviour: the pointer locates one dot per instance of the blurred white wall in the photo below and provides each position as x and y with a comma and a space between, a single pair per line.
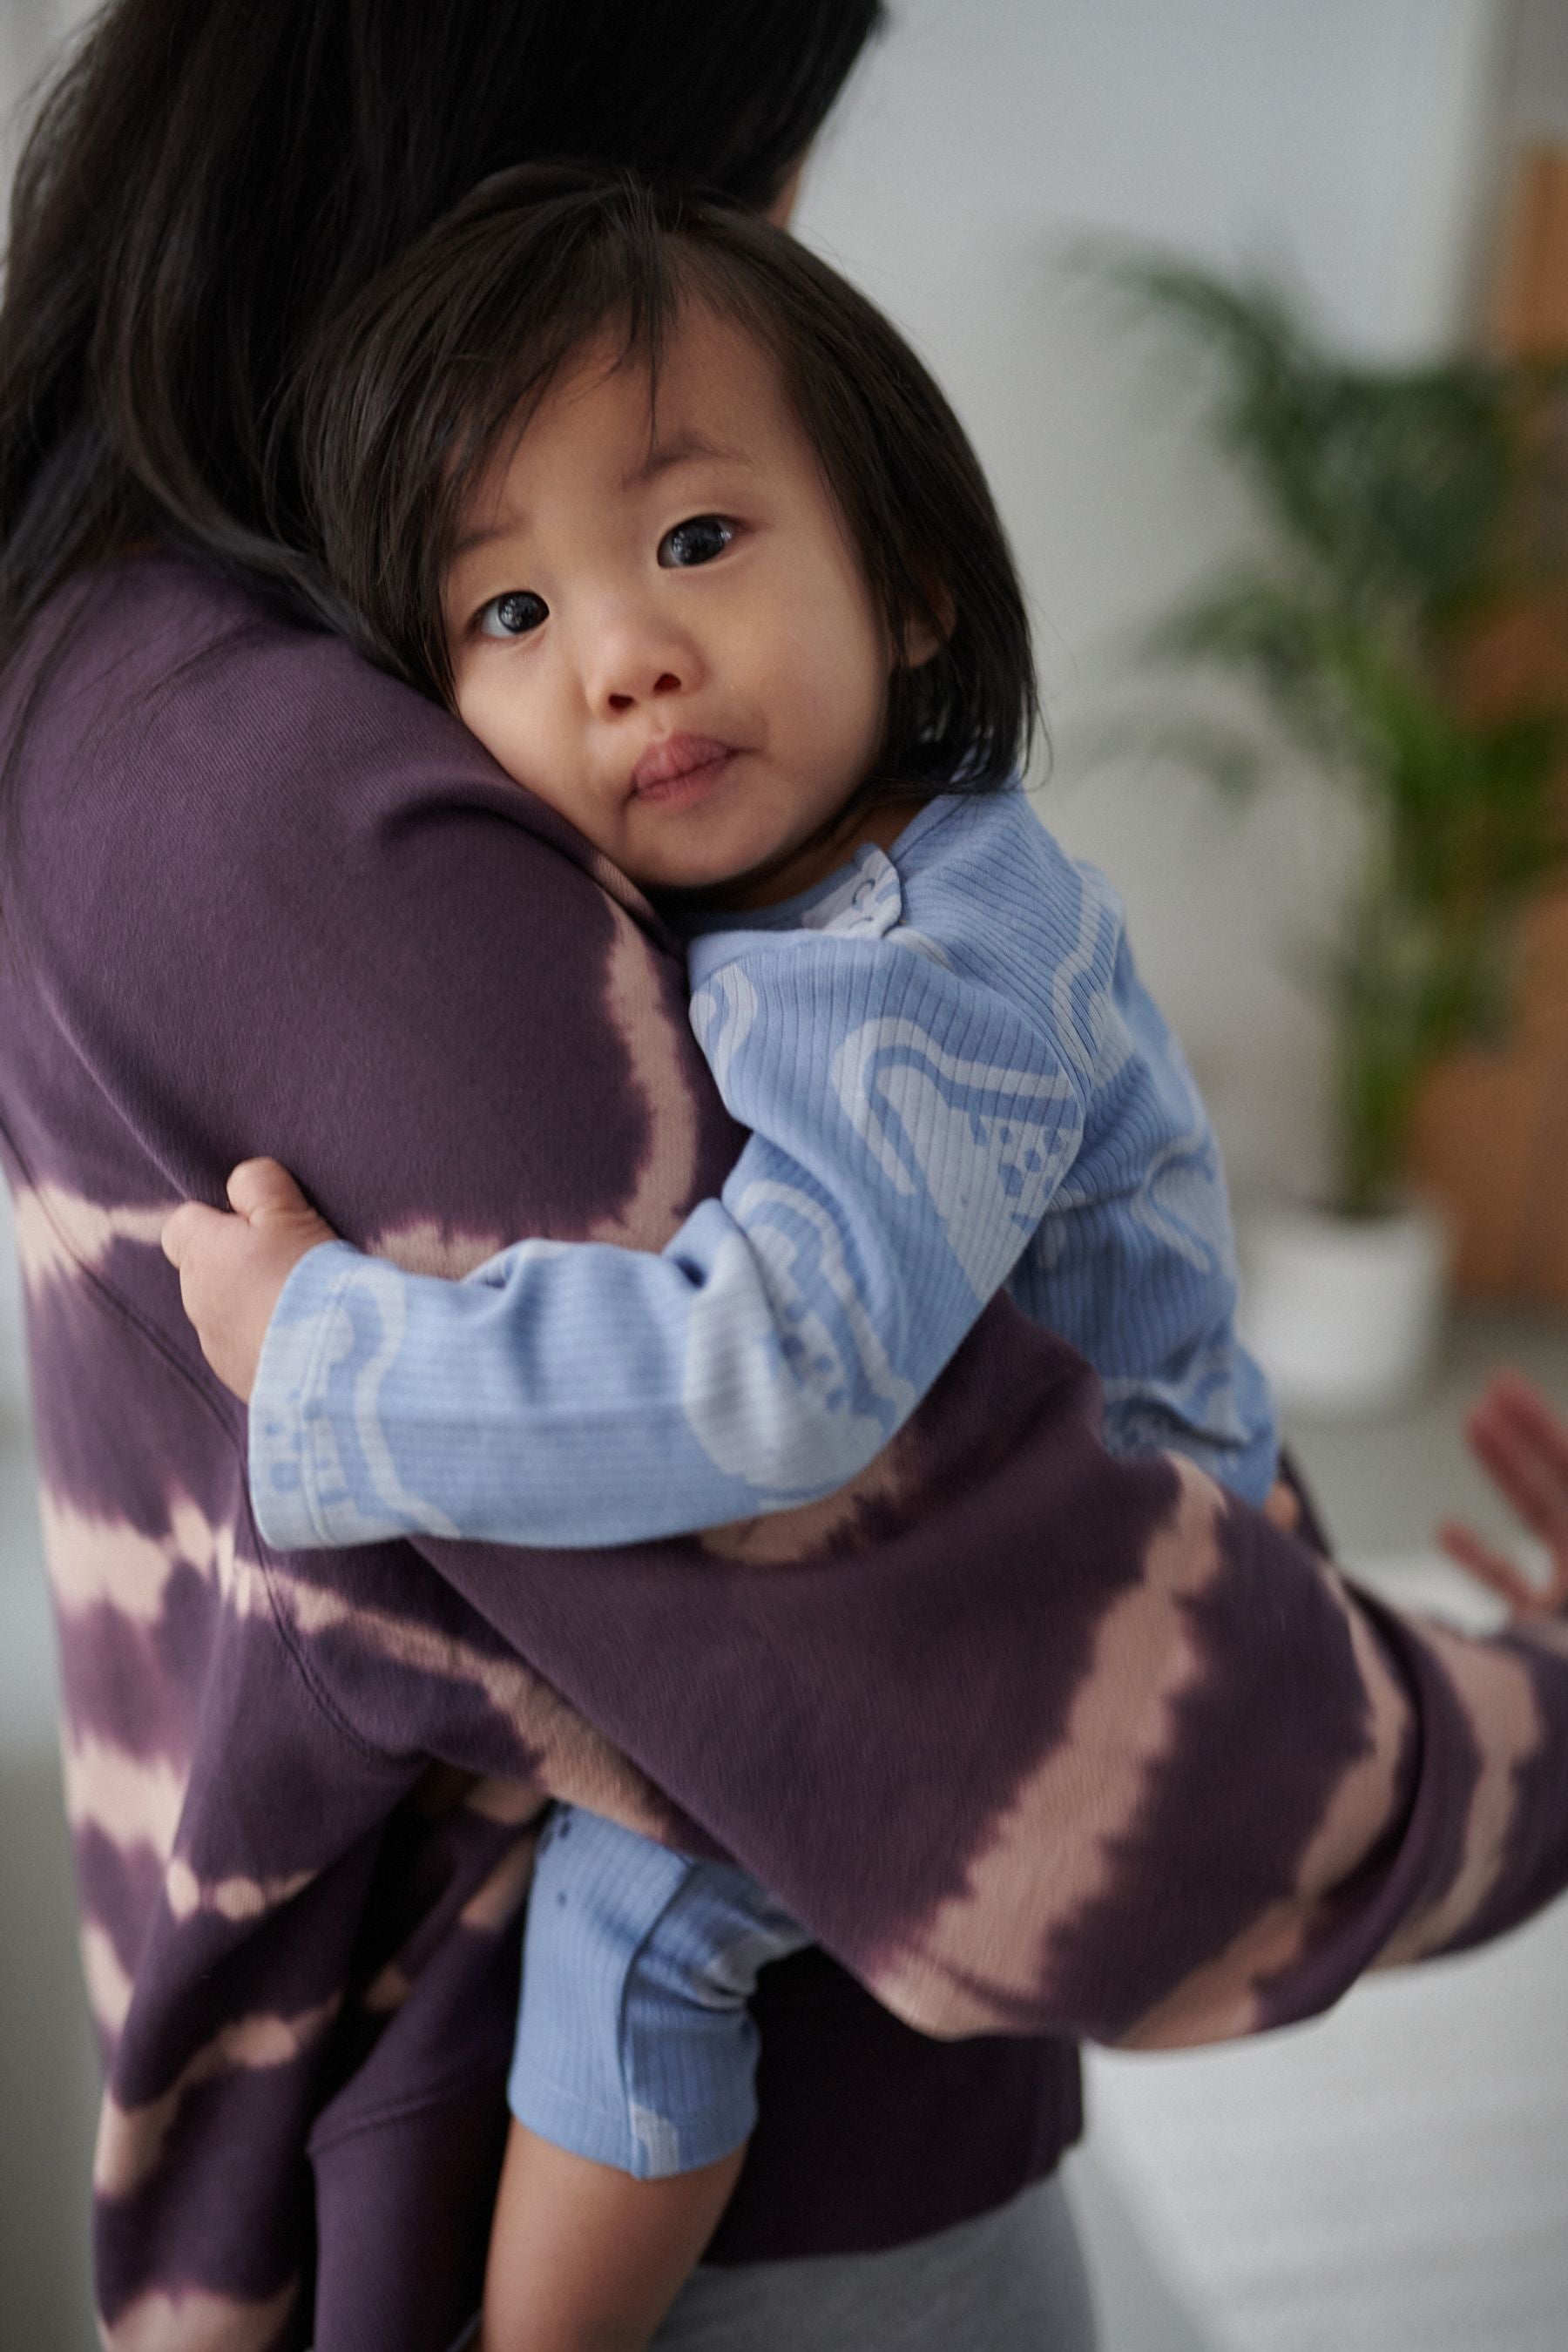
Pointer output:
29, 28
1347, 146
28, 31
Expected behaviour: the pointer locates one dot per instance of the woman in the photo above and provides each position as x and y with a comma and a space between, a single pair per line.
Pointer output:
1036, 1744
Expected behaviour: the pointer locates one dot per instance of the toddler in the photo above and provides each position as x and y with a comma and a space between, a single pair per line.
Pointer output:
687, 536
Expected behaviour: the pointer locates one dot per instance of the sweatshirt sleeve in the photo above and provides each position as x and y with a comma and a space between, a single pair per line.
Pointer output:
910, 1128
1114, 1759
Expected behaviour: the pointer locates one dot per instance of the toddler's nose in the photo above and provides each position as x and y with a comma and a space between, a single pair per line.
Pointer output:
667, 682
634, 656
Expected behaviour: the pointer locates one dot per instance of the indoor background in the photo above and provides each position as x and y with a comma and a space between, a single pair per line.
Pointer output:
1393, 2178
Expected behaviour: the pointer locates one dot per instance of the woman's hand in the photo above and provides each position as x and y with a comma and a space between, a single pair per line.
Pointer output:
233, 1268
1522, 1443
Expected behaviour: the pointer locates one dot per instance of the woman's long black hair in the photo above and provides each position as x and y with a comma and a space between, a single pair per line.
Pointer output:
207, 179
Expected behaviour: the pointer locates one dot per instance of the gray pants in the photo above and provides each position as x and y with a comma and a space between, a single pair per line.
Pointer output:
1013, 2281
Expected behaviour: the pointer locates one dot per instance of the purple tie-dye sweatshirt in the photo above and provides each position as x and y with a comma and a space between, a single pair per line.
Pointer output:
1038, 1743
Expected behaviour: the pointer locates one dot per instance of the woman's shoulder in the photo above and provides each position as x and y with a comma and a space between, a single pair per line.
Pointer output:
155, 657
158, 698
276, 899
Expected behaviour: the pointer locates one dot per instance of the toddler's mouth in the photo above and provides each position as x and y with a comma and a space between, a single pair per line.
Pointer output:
679, 768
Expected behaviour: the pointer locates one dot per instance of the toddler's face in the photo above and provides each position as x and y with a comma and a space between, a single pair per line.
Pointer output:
671, 642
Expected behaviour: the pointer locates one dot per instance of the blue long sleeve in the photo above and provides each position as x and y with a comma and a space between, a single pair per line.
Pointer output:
909, 1130
925, 1052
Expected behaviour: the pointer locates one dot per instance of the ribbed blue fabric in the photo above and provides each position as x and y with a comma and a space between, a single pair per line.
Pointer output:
635, 2044
955, 1081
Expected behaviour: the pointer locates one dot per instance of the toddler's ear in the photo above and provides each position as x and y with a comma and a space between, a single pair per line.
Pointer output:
925, 635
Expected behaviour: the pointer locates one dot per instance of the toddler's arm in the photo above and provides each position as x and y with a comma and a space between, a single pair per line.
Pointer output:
909, 1127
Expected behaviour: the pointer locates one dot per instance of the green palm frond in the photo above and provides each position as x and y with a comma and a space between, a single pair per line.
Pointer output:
1398, 506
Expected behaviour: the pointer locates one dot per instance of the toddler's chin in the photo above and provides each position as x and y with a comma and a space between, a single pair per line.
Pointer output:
700, 870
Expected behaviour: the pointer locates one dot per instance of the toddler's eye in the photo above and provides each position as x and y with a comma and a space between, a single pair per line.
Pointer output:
516, 614
697, 541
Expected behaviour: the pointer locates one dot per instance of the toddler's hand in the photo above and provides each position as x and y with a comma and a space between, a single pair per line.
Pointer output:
232, 1269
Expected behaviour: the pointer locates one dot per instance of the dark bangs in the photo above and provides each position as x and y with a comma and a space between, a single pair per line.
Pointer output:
434, 372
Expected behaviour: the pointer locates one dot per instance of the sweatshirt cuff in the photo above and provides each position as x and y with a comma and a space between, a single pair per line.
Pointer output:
293, 1463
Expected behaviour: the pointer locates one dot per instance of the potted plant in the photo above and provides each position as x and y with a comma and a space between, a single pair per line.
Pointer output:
1402, 511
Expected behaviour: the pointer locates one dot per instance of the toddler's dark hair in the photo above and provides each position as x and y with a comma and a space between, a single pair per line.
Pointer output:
440, 362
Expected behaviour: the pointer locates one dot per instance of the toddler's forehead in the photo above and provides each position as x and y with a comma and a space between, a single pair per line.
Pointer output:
713, 385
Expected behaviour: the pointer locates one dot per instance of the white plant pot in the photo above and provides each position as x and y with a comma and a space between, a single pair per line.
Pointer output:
1345, 1314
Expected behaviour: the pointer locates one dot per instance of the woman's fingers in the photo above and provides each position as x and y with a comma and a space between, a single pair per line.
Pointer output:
1490, 1568
1522, 1442
1519, 1439
1515, 1404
